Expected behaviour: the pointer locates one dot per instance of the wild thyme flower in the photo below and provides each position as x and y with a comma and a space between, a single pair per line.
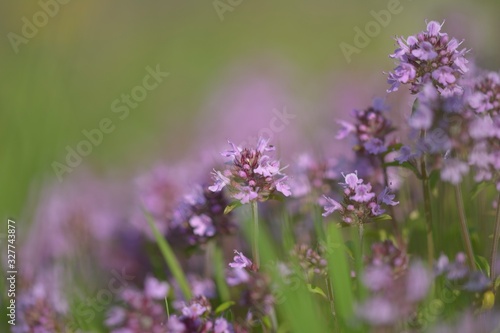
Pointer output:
484, 127
396, 288
309, 260
460, 275
39, 309
370, 128
141, 310
431, 56
157, 193
313, 176
360, 204
197, 316
252, 176
200, 216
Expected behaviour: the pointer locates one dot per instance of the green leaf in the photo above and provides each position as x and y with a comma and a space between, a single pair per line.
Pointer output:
496, 285
316, 290
383, 217
224, 306
231, 206
483, 264
478, 188
220, 279
167, 308
405, 165
434, 178
340, 275
170, 259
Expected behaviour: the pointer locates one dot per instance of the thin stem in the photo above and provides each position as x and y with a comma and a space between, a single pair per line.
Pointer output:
329, 289
361, 234
428, 209
399, 238
463, 226
494, 250
255, 243
209, 258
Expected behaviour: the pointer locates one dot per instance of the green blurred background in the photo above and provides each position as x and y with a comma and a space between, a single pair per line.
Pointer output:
64, 79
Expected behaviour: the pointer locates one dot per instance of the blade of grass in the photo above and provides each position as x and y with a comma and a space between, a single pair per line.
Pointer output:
220, 279
170, 259
301, 309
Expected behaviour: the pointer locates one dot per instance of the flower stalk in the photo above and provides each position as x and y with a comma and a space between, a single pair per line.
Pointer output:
427, 209
255, 235
494, 249
463, 227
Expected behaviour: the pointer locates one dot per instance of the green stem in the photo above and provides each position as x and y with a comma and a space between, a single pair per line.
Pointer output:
361, 232
494, 250
427, 209
329, 290
397, 233
463, 226
255, 240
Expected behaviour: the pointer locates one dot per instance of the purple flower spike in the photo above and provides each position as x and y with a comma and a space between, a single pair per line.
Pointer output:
253, 175
429, 57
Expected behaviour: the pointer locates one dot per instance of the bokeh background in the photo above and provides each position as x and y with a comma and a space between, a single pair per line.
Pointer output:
230, 70
257, 55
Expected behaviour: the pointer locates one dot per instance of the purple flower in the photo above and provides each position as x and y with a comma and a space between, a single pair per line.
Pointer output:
155, 289
331, 206
418, 282
240, 261
253, 175
429, 57
378, 311
453, 170
174, 325
220, 181
425, 51
375, 146
245, 195
346, 130
363, 193
193, 310
444, 75
404, 155
236, 276
351, 180
202, 225
222, 326
387, 197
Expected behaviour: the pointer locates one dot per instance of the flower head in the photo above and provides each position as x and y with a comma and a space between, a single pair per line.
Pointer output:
253, 175
429, 57
360, 204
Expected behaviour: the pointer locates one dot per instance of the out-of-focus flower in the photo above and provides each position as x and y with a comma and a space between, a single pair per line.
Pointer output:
309, 260
40, 308
454, 170
431, 56
158, 193
197, 316
200, 217
459, 273
140, 311
253, 175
